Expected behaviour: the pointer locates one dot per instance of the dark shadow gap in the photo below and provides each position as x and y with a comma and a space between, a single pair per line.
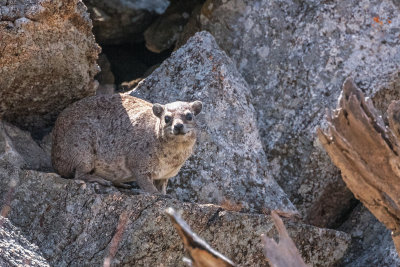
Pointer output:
132, 61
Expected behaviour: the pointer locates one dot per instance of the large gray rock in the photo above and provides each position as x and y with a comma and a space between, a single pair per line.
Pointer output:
229, 162
15, 249
295, 56
119, 21
371, 243
77, 225
47, 59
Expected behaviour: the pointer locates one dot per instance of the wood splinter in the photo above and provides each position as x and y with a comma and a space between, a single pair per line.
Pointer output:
367, 153
284, 253
202, 255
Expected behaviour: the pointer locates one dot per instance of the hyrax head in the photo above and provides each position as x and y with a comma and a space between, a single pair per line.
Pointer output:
177, 119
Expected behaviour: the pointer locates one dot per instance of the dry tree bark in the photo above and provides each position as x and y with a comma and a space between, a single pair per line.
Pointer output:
368, 154
284, 254
201, 253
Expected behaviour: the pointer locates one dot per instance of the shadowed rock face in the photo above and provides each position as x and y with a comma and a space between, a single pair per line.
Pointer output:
18, 147
165, 30
47, 60
371, 243
228, 162
121, 21
295, 56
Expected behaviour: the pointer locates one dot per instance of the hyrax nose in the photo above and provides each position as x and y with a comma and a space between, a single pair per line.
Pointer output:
178, 127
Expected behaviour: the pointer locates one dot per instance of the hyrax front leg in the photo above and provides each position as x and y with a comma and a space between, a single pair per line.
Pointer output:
161, 185
146, 183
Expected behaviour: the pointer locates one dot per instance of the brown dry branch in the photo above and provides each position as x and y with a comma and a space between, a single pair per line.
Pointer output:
230, 205
202, 255
123, 219
284, 254
367, 152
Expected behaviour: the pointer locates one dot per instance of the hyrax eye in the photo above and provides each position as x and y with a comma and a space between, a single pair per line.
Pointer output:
189, 116
167, 119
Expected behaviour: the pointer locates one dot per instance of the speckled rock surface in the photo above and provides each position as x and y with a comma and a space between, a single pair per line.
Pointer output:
229, 161
295, 56
77, 225
371, 243
47, 59
119, 21
15, 250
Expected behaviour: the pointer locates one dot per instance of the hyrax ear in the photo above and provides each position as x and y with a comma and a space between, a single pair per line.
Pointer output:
196, 107
158, 109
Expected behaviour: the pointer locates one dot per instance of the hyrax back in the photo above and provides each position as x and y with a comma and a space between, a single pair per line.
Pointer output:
114, 139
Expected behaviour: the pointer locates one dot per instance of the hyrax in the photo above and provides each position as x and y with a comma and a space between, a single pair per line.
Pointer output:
114, 139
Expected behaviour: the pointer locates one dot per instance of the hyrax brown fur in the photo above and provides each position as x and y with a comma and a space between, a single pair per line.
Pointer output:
114, 139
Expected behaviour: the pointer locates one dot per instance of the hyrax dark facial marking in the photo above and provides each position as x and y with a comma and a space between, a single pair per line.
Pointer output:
134, 140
